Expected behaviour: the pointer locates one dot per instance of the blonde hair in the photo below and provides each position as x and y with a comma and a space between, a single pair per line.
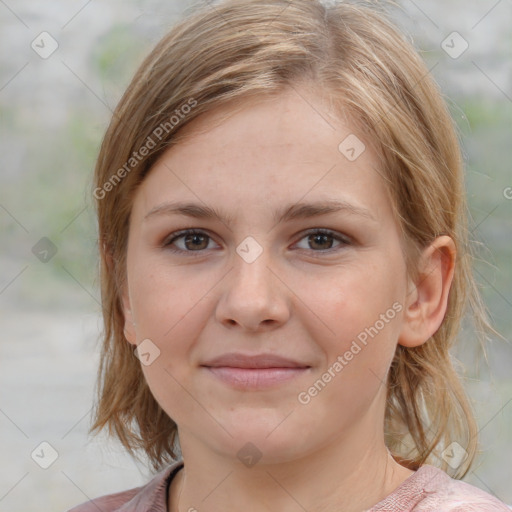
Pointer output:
231, 51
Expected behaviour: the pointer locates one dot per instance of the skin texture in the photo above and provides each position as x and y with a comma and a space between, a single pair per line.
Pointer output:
303, 297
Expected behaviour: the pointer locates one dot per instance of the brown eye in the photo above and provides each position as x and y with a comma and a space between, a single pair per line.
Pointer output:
189, 241
320, 241
195, 242
324, 240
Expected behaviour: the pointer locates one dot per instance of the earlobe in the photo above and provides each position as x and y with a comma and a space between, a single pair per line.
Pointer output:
129, 322
427, 298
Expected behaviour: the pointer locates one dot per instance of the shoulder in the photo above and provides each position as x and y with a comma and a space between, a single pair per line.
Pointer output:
456, 496
151, 496
432, 490
108, 503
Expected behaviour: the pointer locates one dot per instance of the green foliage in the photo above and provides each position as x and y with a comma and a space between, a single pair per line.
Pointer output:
116, 55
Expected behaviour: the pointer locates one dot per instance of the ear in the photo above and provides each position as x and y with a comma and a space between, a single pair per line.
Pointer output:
129, 323
427, 299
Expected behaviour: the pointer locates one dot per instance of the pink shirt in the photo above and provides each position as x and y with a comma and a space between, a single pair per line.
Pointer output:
428, 490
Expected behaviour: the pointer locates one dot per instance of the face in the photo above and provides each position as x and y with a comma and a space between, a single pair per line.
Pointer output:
304, 263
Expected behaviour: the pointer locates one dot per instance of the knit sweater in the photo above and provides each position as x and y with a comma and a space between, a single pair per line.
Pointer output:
428, 490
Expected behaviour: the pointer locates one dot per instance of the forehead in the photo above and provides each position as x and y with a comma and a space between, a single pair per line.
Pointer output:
277, 119
271, 149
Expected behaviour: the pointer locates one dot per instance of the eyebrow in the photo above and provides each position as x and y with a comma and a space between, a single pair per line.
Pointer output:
291, 212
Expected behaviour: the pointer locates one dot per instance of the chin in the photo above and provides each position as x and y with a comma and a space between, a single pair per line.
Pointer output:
266, 438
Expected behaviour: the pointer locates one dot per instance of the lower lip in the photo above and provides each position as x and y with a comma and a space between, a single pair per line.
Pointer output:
255, 378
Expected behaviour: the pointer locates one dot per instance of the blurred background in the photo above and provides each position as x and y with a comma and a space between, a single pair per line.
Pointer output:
64, 66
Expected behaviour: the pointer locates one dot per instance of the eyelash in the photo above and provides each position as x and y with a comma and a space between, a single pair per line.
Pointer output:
344, 240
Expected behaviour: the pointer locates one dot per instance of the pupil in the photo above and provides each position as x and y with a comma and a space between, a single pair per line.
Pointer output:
320, 239
196, 240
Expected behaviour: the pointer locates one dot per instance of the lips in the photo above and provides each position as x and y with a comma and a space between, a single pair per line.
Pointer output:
234, 360
254, 372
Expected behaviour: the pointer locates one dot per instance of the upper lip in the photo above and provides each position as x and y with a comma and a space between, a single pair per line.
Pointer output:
235, 360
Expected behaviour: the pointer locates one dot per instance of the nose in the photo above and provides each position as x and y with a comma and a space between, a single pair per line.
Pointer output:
254, 297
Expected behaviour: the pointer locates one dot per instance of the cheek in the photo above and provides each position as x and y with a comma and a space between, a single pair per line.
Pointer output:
161, 297
171, 308
365, 318
361, 318
169, 312
350, 300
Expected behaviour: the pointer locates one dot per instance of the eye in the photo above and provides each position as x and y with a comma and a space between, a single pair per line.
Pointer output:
321, 240
191, 240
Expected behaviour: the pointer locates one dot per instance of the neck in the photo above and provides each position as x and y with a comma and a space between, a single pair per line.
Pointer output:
349, 477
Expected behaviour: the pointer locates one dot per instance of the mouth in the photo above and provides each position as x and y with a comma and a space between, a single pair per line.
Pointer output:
253, 372
254, 378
